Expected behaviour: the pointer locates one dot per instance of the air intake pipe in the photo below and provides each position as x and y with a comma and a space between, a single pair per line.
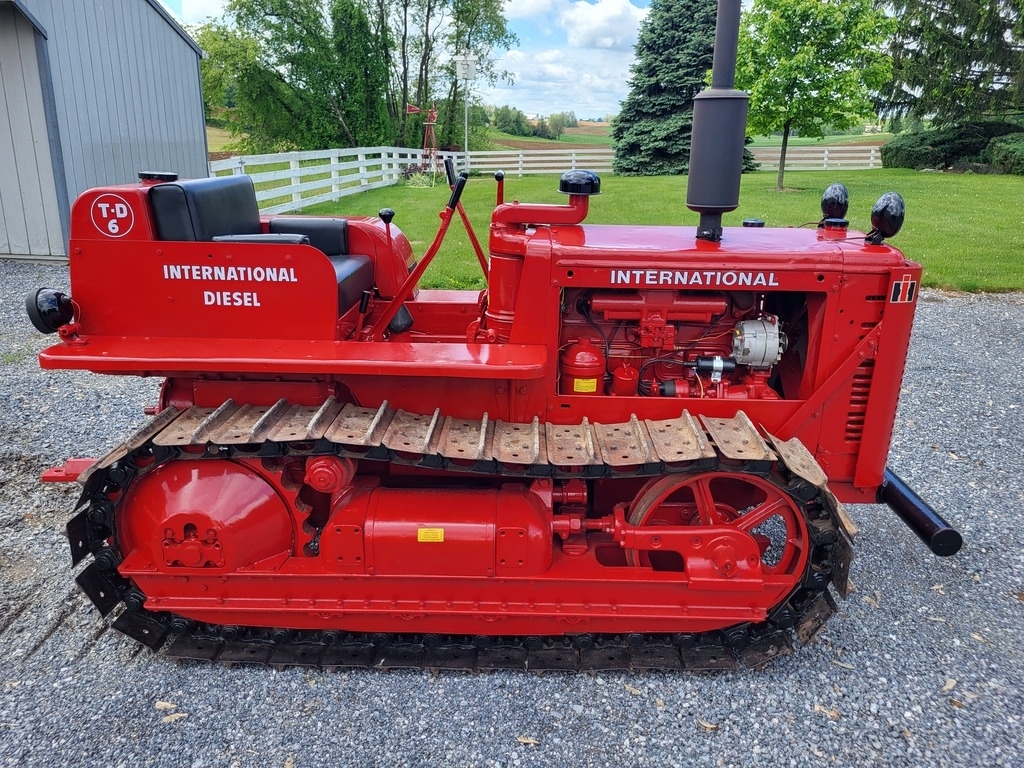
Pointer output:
579, 185
719, 131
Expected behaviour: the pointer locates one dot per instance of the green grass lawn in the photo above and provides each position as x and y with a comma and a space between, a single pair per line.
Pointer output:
572, 136
600, 135
965, 229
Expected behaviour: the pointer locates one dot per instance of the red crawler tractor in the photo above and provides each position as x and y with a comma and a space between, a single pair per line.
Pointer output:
631, 450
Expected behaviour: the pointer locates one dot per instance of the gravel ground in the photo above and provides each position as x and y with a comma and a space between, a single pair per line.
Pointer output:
923, 665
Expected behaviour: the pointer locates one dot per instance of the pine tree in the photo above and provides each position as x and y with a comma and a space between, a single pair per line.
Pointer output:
651, 134
957, 60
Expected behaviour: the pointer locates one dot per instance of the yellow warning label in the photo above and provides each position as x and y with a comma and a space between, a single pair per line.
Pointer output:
584, 385
430, 534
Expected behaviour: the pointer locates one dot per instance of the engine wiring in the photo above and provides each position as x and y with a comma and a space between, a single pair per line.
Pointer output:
645, 387
627, 352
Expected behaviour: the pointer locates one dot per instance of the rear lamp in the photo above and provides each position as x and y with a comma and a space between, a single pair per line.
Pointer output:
49, 309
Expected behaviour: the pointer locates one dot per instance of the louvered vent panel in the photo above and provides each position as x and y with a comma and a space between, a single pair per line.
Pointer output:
859, 401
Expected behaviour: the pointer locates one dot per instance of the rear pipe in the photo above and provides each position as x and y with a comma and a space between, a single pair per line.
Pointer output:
941, 538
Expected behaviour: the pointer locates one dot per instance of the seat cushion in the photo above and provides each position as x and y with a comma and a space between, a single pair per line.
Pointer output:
202, 209
329, 235
355, 275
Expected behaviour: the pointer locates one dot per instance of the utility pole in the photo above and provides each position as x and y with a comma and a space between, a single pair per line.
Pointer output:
465, 69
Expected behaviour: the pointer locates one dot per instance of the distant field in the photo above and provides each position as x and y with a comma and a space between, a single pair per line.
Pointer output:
217, 139
587, 133
964, 228
585, 138
590, 128
590, 134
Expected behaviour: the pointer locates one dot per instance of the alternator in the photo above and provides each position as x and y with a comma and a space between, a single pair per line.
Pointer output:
758, 343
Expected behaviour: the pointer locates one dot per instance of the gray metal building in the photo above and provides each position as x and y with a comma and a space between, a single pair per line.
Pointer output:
91, 92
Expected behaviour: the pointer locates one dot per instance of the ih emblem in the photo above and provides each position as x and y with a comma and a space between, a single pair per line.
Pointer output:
903, 291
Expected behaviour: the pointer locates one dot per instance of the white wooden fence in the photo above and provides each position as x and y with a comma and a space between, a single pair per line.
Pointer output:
820, 158
522, 162
292, 180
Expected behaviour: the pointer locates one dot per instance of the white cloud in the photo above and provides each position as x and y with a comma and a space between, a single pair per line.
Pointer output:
588, 75
198, 11
586, 82
528, 9
605, 25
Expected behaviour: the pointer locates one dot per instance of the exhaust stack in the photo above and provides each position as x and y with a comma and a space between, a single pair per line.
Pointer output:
719, 130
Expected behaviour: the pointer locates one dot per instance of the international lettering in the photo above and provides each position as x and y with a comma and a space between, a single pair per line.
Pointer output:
705, 277
230, 274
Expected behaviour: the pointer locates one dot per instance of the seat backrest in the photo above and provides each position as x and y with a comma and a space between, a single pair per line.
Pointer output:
202, 209
329, 235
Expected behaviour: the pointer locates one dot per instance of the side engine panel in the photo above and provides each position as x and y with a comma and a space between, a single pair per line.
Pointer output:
807, 334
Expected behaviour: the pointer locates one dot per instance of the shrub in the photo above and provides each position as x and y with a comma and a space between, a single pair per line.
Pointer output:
1006, 153
418, 176
945, 147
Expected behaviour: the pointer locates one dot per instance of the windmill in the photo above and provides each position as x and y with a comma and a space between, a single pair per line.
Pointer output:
430, 159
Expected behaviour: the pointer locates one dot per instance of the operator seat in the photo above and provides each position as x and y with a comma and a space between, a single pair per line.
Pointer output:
330, 235
224, 208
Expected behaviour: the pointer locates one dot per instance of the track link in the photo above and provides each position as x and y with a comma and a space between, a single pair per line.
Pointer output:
637, 448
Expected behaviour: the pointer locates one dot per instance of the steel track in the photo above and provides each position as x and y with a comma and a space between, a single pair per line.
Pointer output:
633, 449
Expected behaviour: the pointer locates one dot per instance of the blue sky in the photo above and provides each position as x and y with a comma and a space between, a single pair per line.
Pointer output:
572, 55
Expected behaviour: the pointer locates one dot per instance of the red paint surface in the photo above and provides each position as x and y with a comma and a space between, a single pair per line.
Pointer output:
361, 561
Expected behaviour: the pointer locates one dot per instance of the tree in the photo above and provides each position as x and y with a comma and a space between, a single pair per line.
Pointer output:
542, 130
228, 53
512, 121
300, 72
411, 33
477, 27
674, 50
808, 64
264, 112
317, 73
391, 25
360, 103
957, 60
557, 123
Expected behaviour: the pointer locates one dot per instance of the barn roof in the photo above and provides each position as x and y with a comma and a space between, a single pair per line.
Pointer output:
176, 26
156, 6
